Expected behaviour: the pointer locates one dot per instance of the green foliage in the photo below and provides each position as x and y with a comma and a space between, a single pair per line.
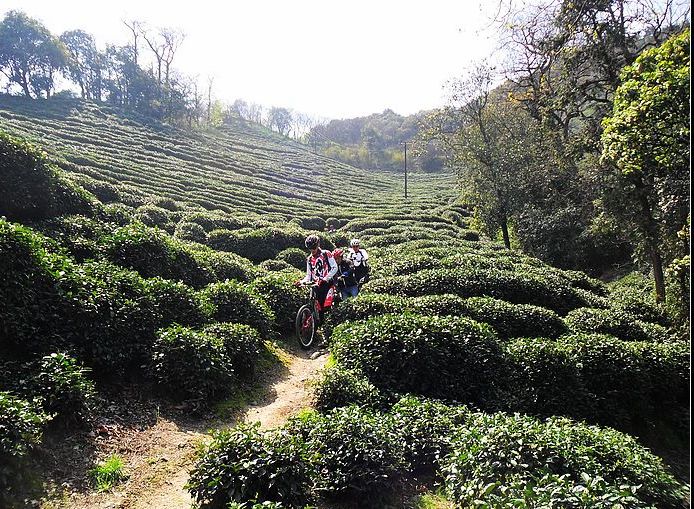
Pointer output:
108, 473
427, 427
82, 236
245, 464
518, 287
242, 345
496, 458
190, 232
338, 387
634, 294
293, 256
445, 357
32, 188
364, 306
357, 452
190, 364
622, 325
628, 385
21, 424
231, 301
154, 216
151, 252
66, 391
284, 299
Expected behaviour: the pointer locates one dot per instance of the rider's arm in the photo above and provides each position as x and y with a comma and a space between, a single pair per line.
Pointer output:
333, 268
307, 278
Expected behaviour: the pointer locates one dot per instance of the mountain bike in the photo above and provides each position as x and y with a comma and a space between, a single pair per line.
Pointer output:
308, 318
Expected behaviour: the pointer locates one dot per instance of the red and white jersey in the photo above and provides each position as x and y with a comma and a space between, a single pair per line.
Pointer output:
322, 266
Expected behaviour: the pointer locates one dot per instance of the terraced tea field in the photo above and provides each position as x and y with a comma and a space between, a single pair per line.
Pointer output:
241, 167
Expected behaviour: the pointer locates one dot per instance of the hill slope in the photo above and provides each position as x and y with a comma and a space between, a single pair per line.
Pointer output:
240, 167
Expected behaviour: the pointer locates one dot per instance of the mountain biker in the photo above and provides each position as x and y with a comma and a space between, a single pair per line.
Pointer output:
359, 259
321, 269
347, 284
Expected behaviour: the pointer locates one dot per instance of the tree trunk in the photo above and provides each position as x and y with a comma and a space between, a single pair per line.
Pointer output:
504, 232
657, 263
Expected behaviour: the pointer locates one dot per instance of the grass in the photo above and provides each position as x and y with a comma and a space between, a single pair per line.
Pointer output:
108, 473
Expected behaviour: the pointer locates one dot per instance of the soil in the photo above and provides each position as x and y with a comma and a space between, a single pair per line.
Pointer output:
158, 440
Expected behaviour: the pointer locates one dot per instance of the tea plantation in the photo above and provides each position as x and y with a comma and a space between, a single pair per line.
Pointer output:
139, 253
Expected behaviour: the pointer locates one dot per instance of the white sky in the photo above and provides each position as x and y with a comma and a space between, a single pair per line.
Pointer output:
322, 57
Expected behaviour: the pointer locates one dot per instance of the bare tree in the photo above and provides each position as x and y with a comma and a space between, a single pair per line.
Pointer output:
135, 28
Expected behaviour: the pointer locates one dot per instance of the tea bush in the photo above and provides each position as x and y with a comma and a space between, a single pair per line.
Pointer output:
246, 464
338, 387
66, 392
284, 299
32, 188
615, 323
152, 252
242, 345
21, 428
356, 453
190, 232
191, 365
599, 379
516, 287
274, 266
365, 306
427, 427
634, 294
313, 223
231, 301
174, 302
494, 456
154, 216
221, 265
80, 235
293, 256
443, 357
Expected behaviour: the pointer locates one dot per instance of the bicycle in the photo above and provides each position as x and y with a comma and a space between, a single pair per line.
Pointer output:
308, 318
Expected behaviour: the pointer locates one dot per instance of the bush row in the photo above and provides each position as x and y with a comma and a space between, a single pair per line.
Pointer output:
615, 323
497, 460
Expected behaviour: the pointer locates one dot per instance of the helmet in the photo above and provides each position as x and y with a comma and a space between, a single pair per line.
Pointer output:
312, 241
353, 242
338, 252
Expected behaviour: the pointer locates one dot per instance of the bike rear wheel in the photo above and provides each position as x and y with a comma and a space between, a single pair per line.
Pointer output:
305, 327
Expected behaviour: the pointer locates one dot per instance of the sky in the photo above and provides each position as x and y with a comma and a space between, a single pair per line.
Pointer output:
324, 58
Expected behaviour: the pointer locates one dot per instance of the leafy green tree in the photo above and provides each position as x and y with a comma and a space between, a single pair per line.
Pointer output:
85, 63
502, 155
646, 145
29, 55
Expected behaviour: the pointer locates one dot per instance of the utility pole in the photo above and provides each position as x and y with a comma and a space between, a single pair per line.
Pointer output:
405, 143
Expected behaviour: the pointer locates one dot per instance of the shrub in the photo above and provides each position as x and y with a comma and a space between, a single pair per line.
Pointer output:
449, 357
21, 424
32, 188
190, 232
313, 223
338, 387
362, 307
104, 191
496, 455
223, 266
174, 302
634, 294
600, 379
231, 301
65, 389
152, 252
151, 215
284, 299
190, 364
615, 323
241, 343
356, 452
261, 243
245, 464
293, 256
427, 427
80, 235
512, 286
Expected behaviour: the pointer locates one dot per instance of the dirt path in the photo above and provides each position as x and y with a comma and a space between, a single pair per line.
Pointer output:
159, 456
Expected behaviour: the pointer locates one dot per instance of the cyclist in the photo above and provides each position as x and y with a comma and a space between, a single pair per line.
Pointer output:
359, 259
321, 269
347, 284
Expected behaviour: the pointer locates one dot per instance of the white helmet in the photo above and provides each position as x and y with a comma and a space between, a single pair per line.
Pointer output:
353, 242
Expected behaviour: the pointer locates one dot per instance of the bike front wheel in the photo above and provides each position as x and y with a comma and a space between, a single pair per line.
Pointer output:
305, 327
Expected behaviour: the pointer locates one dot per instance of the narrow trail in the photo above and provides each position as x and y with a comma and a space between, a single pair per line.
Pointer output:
160, 456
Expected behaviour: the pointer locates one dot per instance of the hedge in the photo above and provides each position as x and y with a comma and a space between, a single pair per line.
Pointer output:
231, 301
284, 299
502, 461
337, 387
615, 323
445, 357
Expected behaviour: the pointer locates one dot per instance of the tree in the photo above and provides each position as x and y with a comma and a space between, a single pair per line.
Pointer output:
29, 55
501, 154
280, 119
85, 63
646, 145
